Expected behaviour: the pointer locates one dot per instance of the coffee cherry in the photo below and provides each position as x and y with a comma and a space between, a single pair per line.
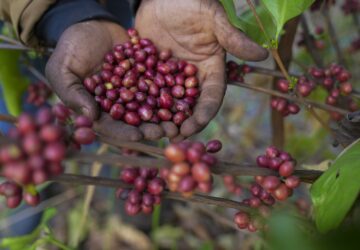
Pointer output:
13, 201
286, 169
156, 186
270, 182
190, 69
213, 146
242, 220
201, 172
281, 192
292, 181
31, 200
174, 153
55, 151
187, 184
84, 135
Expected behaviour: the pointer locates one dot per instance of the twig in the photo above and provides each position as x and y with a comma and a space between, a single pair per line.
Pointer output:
106, 182
37, 73
140, 147
8, 118
220, 168
272, 72
52, 202
292, 98
10, 40
332, 35
13, 47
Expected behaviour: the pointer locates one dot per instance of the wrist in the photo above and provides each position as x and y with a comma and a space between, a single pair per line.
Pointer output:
66, 13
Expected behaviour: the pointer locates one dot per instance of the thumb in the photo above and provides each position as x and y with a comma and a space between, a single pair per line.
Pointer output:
70, 90
234, 41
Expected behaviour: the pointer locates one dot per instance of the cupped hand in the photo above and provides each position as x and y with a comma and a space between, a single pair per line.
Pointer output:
80, 53
197, 31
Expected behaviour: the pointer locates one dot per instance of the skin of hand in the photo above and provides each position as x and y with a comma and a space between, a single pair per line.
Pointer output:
79, 53
197, 31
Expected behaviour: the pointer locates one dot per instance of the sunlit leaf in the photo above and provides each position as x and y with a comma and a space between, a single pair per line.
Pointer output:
283, 10
336, 190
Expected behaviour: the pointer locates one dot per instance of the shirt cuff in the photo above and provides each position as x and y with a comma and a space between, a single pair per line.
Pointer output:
65, 13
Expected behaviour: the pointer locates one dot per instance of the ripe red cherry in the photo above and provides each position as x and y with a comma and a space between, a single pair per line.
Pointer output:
84, 135
201, 172
287, 168
270, 182
242, 220
213, 146
190, 69
132, 118
174, 153
292, 182
281, 192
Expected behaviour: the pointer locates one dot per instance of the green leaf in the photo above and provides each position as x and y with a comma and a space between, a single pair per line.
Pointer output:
337, 189
26, 241
283, 10
248, 24
13, 83
252, 29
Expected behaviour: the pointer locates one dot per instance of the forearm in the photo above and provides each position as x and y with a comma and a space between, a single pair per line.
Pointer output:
23, 15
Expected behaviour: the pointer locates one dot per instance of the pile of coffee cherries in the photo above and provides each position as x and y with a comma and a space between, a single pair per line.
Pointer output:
236, 72
36, 149
266, 190
38, 93
335, 80
146, 191
139, 84
192, 166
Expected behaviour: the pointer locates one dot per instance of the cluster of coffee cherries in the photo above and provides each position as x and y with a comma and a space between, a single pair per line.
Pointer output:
266, 190
316, 39
236, 72
351, 6
38, 93
139, 84
285, 107
37, 146
335, 80
146, 190
192, 166
231, 185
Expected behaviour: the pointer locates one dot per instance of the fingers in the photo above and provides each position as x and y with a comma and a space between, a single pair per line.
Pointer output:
210, 100
151, 131
116, 130
170, 129
69, 88
234, 41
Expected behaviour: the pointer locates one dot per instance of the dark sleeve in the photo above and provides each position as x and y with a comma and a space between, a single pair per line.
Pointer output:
65, 13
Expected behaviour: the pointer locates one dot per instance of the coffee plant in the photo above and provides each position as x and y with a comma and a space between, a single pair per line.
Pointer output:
294, 187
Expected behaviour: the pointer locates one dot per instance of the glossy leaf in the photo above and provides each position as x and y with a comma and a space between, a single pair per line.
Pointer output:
248, 24
13, 83
336, 190
283, 10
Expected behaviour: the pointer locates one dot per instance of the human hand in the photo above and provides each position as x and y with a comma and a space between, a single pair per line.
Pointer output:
79, 53
197, 31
